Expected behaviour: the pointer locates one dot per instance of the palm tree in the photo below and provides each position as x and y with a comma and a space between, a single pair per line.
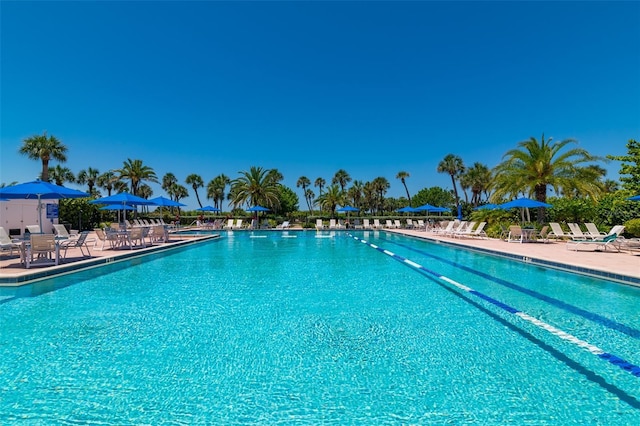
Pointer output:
258, 186
145, 192
403, 176
453, 165
320, 183
304, 182
478, 179
168, 180
60, 175
341, 178
215, 189
331, 198
309, 195
44, 148
107, 181
535, 165
354, 194
89, 177
380, 186
196, 182
137, 173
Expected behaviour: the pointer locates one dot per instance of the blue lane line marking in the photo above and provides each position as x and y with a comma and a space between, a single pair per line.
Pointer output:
612, 359
623, 328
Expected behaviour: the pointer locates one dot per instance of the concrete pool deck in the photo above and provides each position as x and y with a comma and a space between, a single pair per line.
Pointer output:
622, 267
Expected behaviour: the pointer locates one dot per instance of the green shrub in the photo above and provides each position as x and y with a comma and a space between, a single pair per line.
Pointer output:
632, 227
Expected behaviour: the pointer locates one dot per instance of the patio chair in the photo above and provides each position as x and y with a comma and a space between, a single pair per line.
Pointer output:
81, 242
357, 224
543, 235
319, 224
8, 244
376, 224
515, 234
397, 224
388, 224
366, 224
42, 246
332, 224
420, 225
105, 237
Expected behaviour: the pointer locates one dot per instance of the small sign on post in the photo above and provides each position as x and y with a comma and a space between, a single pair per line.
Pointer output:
52, 211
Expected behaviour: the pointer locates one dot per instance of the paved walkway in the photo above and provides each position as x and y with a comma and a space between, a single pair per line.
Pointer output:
623, 266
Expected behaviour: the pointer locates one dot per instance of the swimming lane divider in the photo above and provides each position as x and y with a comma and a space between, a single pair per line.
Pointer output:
592, 316
611, 358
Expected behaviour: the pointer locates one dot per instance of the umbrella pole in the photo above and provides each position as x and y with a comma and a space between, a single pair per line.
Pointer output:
40, 212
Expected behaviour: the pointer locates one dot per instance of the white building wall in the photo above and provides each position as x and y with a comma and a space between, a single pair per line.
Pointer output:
17, 214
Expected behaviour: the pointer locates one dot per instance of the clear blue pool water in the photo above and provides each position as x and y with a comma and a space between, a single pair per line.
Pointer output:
257, 328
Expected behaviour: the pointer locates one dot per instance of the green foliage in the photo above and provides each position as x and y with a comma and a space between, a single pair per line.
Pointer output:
632, 227
435, 196
576, 210
288, 201
79, 213
615, 209
630, 168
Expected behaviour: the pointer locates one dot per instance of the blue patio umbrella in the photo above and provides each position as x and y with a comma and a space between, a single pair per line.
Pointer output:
407, 209
208, 209
523, 203
123, 198
257, 209
117, 207
425, 207
166, 202
347, 209
40, 190
634, 198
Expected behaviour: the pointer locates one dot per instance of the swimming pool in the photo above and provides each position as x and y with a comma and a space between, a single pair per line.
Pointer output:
270, 327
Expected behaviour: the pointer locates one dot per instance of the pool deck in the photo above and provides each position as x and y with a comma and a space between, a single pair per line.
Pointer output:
622, 267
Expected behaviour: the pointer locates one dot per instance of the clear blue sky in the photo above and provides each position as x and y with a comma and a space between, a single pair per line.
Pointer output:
312, 87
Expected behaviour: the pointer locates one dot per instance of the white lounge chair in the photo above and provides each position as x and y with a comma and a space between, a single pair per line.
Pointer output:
283, 225
465, 231
319, 224
8, 244
576, 232
332, 224
593, 232
61, 232
376, 224
597, 245
557, 232
366, 224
